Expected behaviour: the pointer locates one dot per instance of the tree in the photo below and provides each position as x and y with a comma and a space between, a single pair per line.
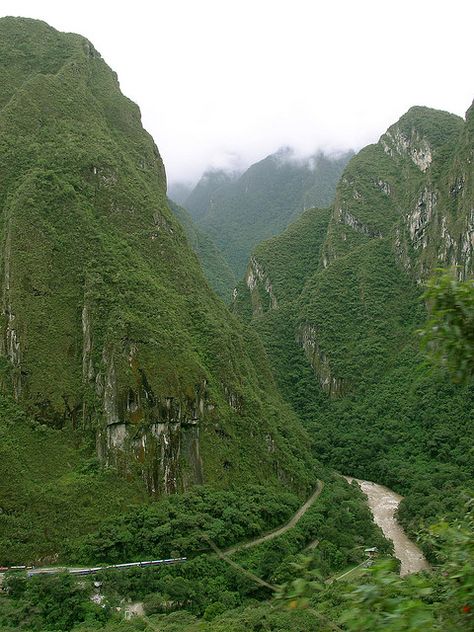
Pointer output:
448, 336
55, 602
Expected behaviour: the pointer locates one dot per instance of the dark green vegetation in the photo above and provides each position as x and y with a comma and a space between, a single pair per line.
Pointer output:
52, 489
337, 300
238, 211
111, 336
209, 595
215, 267
178, 524
49, 603
334, 532
449, 334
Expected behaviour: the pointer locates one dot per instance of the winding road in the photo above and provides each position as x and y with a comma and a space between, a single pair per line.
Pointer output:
383, 504
281, 530
245, 545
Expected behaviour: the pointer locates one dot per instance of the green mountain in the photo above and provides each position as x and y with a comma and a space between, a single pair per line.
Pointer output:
240, 211
179, 191
201, 197
124, 378
215, 267
113, 345
337, 301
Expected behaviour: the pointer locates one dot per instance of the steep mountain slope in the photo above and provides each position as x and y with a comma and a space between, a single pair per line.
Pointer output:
239, 212
214, 266
109, 328
179, 191
201, 198
337, 301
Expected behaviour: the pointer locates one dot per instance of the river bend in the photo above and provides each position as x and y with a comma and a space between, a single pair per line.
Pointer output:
383, 503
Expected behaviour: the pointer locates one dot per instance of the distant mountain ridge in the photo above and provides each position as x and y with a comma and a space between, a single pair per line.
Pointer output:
179, 191
215, 267
201, 197
240, 210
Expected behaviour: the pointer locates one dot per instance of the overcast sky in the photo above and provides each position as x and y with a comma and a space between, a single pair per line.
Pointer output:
224, 82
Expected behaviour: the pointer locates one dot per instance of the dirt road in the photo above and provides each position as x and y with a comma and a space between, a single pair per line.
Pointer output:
281, 530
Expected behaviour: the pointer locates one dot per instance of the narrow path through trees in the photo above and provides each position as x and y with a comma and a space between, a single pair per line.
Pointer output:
281, 530
245, 545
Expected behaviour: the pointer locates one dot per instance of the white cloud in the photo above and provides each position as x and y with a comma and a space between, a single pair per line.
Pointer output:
224, 83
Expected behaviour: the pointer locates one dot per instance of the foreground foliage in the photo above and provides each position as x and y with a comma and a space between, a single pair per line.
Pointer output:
449, 333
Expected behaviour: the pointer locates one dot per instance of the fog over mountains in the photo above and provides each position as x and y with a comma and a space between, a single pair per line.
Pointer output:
238, 210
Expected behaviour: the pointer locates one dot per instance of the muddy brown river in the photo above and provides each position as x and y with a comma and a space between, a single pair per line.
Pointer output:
383, 503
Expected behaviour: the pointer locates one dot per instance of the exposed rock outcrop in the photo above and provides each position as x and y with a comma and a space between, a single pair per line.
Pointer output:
255, 279
346, 218
415, 146
330, 384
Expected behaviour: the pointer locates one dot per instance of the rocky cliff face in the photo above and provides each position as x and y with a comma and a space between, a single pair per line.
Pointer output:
308, 339
108, 324
437, 228
414, 187
256, 279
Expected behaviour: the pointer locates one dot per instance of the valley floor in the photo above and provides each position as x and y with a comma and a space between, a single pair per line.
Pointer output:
383, 504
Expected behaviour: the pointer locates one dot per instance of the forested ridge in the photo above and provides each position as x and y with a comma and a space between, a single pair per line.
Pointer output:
123, 375
238, 210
